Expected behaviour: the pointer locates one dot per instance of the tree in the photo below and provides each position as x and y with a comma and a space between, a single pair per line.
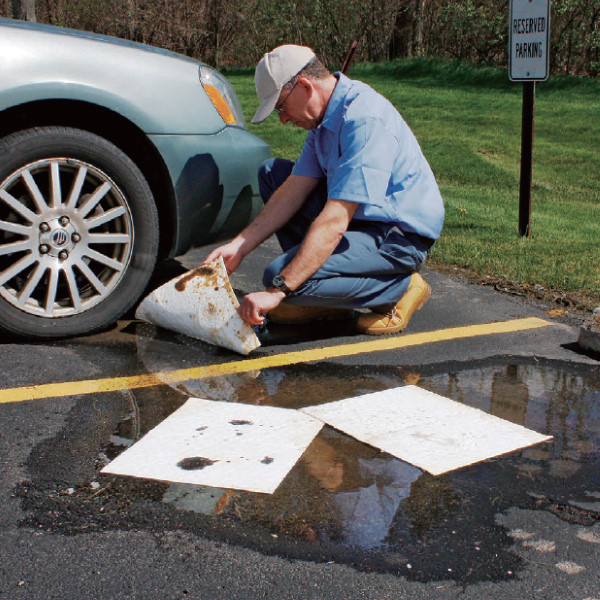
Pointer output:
24, 10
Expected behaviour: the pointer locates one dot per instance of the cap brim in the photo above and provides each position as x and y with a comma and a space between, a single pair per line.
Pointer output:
266, 108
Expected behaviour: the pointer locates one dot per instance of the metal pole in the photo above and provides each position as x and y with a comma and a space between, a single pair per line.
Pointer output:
349, 57
527, 120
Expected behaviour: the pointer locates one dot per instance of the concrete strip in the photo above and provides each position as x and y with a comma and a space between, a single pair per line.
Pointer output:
589, 340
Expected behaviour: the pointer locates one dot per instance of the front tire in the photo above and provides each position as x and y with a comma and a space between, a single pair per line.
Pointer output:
78, 232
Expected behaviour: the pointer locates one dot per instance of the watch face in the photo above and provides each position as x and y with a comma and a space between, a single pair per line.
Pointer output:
278, 280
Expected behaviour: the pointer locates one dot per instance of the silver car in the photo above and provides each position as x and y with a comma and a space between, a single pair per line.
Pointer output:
113, 155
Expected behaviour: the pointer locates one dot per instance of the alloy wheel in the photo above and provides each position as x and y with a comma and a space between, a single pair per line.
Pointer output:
66, 237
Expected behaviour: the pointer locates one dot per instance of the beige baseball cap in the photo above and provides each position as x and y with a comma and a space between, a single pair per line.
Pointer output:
273, 71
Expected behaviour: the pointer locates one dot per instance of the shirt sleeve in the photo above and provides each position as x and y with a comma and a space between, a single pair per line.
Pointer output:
308, 163
368, 152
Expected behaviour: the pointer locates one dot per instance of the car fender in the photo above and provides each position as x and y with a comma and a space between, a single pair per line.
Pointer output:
146, 120
158, 91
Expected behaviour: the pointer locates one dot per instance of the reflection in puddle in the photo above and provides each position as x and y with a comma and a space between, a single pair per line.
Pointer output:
559, 402
345, 492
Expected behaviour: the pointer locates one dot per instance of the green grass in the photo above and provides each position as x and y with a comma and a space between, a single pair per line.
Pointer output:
468, 122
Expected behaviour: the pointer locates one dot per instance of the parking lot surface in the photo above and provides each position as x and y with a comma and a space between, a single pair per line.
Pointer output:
348, 521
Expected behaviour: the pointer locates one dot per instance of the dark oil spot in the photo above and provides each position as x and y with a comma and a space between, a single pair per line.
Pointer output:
195, 463
240, 422
203, 271
202, 428
267, 460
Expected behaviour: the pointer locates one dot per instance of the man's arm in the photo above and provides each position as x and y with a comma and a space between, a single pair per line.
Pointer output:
321, 240
281, 207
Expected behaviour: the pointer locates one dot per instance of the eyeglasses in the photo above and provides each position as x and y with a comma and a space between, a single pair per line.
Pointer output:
280, 110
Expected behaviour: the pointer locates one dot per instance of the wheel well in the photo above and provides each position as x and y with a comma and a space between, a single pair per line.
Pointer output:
116, 129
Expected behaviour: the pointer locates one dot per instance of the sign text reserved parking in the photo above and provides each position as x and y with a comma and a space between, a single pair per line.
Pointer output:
529, 35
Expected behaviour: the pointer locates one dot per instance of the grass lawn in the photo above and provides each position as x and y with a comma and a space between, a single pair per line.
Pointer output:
468, 122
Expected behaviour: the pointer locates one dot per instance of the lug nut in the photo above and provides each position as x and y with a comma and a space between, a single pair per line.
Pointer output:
64, 221
44, 249
75, 238
44, 227
63, 255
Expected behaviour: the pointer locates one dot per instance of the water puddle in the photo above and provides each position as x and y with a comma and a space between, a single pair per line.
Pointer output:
346, 496
343, 500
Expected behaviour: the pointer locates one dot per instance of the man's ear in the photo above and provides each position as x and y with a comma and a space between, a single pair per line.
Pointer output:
307, 84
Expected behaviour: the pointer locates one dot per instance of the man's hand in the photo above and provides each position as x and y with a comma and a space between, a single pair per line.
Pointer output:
255, 305
231, 254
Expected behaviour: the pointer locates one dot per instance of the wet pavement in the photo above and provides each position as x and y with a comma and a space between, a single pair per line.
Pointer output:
348, 521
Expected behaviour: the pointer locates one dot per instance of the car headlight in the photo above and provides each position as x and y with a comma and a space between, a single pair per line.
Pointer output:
223, 96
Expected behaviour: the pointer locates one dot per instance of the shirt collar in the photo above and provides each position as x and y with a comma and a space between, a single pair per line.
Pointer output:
336, 103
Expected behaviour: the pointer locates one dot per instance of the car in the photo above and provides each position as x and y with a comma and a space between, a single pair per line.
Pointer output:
113, 155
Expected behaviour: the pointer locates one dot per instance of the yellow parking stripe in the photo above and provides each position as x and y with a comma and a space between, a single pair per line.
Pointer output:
95, 386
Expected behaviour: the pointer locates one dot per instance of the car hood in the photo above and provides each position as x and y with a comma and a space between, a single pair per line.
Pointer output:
158, 90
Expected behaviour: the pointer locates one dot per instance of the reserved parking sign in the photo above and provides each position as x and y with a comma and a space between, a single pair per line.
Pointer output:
529, 40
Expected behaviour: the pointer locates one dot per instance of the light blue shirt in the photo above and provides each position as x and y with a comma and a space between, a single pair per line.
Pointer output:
369, 155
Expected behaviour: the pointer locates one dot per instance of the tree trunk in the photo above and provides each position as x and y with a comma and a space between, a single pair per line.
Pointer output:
24, 10
418, 48
402, 39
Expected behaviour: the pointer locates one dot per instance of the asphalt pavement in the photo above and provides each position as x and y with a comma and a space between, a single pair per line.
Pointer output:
522, 526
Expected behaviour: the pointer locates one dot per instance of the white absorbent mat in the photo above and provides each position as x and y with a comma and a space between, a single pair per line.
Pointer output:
200, 304
221, 444
425, 429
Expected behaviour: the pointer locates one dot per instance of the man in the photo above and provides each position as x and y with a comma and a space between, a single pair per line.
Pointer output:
355, 215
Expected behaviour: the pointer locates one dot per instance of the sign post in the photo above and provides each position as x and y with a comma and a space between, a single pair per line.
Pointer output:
529, 37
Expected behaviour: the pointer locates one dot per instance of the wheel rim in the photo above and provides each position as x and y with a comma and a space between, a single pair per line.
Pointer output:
66, 236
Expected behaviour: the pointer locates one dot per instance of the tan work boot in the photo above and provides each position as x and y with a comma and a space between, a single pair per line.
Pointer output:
397, 318
289, 314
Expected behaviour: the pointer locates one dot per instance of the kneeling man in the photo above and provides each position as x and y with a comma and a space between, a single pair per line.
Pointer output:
355, 215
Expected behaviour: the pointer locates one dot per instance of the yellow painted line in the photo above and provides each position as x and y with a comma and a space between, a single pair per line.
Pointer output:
95, 386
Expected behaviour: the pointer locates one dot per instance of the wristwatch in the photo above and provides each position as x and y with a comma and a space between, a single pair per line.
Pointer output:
279, 283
